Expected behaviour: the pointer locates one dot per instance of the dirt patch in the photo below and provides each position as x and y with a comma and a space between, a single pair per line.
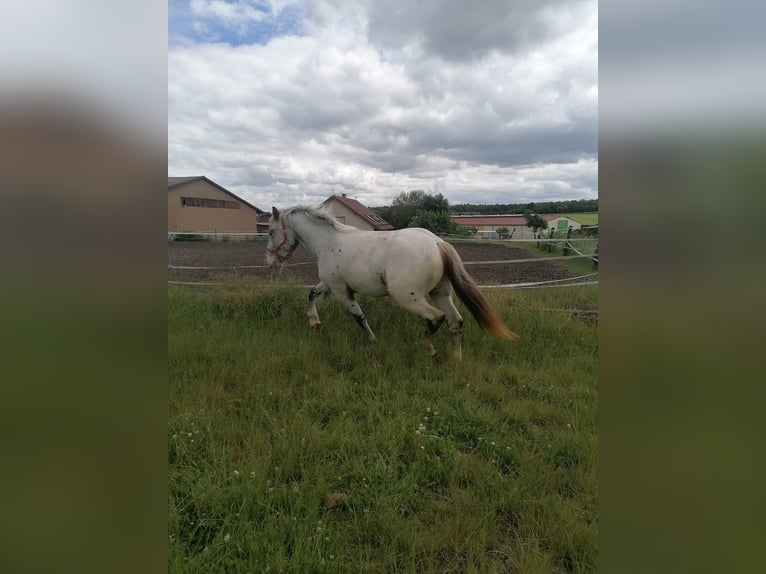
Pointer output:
215, 260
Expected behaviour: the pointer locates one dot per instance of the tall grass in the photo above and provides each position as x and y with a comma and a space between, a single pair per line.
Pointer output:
292, 451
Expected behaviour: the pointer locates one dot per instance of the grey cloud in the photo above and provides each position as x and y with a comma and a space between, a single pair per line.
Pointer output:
485, 138
542, 145
457, 30
292, 120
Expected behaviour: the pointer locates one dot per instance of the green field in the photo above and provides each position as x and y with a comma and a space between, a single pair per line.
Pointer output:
583, 218
292, 451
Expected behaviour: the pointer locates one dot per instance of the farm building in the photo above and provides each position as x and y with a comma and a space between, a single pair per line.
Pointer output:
561, 222
487, 225
198, 204
351, 212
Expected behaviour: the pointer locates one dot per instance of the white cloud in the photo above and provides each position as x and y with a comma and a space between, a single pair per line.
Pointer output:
361, 104
230, 13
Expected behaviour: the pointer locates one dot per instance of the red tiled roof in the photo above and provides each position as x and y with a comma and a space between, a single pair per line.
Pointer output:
371, 217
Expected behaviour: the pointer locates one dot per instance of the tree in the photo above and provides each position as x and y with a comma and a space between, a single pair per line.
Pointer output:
439, 222
416, 208
435, 203
405, 206
569, 206
384, 212
534, 221
502, 232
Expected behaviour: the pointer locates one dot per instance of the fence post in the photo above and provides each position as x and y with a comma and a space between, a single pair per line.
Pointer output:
550, 243
566, 244
595, 258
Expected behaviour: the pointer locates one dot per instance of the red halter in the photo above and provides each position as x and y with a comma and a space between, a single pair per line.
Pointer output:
275, 251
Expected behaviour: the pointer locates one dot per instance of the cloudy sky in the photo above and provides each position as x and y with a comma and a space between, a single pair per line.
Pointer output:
285, 102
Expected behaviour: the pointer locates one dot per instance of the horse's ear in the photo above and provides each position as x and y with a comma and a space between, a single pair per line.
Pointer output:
275, 212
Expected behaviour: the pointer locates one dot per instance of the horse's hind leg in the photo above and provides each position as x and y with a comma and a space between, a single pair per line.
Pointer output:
346, 297
317, 290
431, 327
442, 297
417, 304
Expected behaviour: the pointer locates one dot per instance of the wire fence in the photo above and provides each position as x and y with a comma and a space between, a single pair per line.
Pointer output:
580, 280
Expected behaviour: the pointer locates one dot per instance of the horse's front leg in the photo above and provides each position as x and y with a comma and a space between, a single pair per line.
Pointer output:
317, 290
346, 297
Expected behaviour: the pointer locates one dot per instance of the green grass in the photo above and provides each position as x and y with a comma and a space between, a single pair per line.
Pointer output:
583, 218
292, 451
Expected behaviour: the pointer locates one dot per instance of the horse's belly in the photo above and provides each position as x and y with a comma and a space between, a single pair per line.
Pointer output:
371, 288
355, 274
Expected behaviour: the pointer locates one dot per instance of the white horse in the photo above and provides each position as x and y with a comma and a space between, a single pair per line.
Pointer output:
407, 264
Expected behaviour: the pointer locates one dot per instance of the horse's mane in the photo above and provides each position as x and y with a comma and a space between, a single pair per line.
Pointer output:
319, 215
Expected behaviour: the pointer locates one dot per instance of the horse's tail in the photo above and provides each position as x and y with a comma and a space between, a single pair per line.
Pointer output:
470, 294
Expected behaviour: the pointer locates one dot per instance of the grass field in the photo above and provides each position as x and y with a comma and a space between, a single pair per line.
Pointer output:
292, 451
583, 218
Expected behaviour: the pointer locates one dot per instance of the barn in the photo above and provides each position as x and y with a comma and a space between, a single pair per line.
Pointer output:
562, 223
199, 205
351, 212
487, 225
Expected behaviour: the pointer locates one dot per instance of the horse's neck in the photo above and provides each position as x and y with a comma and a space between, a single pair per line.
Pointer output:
315, 235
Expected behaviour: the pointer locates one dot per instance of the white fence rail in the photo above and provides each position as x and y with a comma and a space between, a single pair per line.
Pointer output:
564, 243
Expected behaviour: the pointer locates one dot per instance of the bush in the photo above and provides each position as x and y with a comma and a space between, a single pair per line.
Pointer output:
189, 237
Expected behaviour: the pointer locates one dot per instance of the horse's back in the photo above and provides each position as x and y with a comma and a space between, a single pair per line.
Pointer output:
413, 259
379, 262
414, 244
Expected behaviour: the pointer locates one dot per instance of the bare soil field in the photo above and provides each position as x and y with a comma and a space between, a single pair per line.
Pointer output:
217, 261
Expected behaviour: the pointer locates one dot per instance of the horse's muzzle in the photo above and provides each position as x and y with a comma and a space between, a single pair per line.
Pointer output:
272, 262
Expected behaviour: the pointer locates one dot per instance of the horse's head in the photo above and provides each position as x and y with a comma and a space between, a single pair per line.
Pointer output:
282, 240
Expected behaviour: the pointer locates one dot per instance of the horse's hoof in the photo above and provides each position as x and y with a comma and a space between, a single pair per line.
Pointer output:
314, 326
